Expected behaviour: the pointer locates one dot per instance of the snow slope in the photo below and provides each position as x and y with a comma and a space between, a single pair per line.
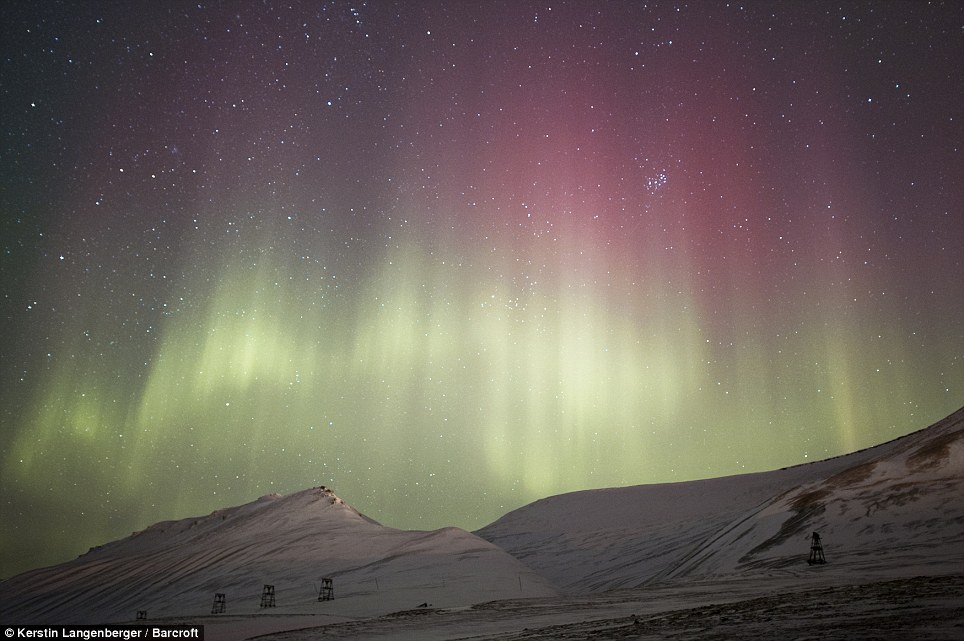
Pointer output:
174, 568
761, 609
893, 508
700, 555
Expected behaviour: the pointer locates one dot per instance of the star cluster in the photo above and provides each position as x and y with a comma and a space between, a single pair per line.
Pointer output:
452, 257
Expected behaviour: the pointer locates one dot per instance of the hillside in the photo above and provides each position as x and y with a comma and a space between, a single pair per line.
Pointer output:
891, 518
890, 508
291, 542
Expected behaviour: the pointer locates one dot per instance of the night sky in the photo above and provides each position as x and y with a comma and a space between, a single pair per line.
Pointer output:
452, 257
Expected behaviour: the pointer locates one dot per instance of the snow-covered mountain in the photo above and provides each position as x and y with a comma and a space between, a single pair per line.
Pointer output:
890, 508
292, 542
896, 510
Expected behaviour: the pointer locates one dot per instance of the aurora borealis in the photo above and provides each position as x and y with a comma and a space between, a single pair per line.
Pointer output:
448, 258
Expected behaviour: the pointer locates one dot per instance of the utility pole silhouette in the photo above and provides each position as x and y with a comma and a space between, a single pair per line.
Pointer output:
267, 596
816, 551
327, 592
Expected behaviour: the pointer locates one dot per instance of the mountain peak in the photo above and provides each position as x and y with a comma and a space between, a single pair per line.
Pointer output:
173, 568
313, 509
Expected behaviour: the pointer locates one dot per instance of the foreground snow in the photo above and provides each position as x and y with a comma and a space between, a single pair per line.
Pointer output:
814, 605
919, 608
